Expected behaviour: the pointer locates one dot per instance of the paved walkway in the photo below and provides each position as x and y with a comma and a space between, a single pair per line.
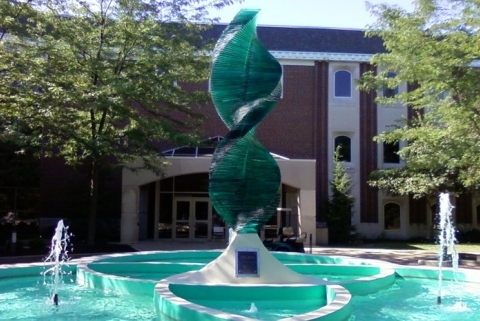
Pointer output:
404, 257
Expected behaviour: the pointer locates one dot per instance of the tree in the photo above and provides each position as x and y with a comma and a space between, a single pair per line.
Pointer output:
433, 49
97, 83
340, 204
19, 177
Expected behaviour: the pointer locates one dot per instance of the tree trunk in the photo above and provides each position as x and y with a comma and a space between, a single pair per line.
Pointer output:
93, 198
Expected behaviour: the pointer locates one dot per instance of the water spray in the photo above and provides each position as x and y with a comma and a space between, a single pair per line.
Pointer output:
58, 255
446, 240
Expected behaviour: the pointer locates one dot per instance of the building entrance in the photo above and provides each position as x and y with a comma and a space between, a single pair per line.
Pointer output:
192, 218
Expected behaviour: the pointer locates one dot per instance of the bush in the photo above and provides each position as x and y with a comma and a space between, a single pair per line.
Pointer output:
37, 244
471, 236
340, 205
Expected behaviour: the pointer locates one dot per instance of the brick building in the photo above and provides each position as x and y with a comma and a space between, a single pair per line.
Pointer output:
320, 109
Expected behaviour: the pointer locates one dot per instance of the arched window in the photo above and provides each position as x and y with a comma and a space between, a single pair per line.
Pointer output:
390, 92
390, 153
345, 150
391, 212
343, 84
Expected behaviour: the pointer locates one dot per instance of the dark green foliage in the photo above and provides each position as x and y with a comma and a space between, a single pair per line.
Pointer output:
339, 218
19, 181
471, 236
245, 85
433, 49
96, 83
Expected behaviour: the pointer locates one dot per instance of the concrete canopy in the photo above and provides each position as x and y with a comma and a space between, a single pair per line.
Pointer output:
299, 174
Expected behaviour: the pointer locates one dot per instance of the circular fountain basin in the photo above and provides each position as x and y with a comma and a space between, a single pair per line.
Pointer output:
138, 274
27, 299
121, 287
252, 302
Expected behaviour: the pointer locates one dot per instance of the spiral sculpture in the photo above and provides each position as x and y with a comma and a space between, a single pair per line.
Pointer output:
245, 86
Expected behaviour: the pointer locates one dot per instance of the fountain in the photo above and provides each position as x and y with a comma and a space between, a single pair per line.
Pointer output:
253, 308
245, 282
446, 240
244, 182
122, 286
59, 257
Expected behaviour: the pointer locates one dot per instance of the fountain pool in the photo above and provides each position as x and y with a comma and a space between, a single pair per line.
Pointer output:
128, 287
25, 298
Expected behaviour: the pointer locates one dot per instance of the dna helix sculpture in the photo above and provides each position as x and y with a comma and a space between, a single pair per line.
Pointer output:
245, 85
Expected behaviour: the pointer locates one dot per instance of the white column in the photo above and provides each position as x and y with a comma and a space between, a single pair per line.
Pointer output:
306, 214
130, 208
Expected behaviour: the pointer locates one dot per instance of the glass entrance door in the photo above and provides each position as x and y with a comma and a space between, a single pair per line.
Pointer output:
192, 218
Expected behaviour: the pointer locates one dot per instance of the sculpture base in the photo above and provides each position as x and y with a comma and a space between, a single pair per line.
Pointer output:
182, 296
268, 271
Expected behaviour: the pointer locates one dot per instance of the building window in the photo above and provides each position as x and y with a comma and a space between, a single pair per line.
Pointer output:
392, 216
390, 92
343, 146
343, 83
390, 153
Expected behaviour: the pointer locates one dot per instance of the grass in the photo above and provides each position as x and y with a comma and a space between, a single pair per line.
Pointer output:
466, 247
459, 247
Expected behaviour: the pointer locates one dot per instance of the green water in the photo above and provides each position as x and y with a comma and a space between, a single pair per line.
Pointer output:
143, 276
27, 299
335, 277
264, 309
416, 300
160, 276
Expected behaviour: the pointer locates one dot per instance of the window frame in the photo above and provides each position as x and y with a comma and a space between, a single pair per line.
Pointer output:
335, 145
390, 92
394, 154
394, 228
350, 89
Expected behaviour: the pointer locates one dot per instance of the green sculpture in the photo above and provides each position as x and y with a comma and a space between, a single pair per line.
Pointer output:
245, 86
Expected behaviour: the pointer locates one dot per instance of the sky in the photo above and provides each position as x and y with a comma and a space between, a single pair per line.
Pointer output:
351, 14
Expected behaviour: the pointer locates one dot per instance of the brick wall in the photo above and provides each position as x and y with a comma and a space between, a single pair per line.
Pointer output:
288, 129
368, 152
